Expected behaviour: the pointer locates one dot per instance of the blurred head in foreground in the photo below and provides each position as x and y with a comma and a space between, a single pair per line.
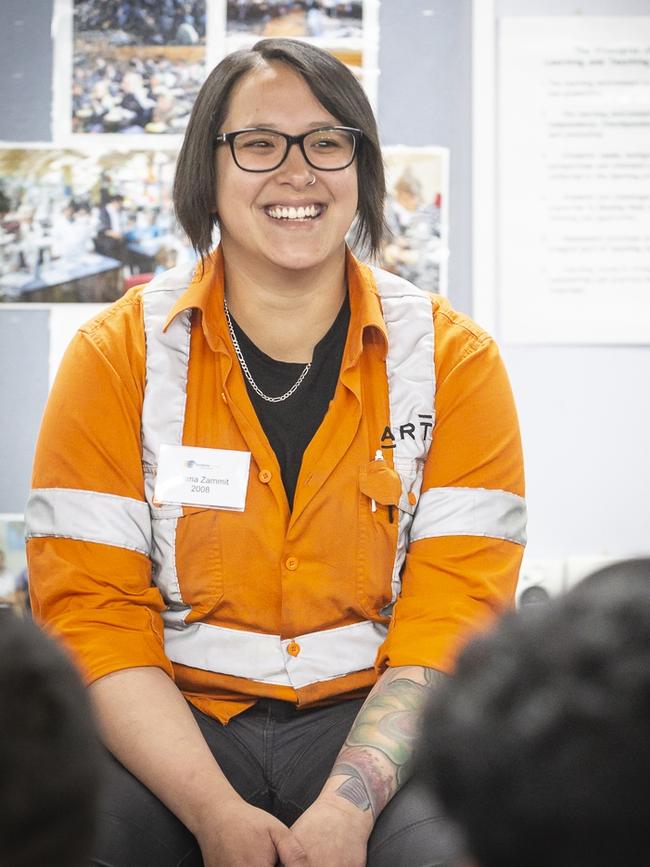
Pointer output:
539, 746
49, 753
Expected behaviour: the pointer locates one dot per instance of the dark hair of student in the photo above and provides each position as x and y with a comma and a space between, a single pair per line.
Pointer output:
538, 746
338, 91
49, 753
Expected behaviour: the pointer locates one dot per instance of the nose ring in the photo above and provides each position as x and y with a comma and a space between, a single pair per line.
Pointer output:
312, 182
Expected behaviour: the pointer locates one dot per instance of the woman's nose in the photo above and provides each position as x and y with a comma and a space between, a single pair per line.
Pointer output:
295, 166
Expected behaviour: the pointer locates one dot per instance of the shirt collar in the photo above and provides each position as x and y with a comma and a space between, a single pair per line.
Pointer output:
206, 292
366, 319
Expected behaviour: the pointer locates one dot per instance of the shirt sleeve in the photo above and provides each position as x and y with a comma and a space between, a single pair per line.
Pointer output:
88, 523
468, 531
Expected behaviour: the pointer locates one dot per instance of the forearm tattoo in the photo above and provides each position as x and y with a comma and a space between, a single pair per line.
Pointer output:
376, 754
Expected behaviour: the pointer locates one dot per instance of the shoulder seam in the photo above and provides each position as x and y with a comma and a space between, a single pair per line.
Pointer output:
90, 334
479, 337
91, 327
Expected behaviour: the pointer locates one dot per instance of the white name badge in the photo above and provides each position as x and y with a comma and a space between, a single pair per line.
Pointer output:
192, 476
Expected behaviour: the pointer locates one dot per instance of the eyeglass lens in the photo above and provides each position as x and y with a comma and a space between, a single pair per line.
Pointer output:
259, 150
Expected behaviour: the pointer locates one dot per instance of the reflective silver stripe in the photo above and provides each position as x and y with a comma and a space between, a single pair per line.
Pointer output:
89, 516
470, 512
411, 393
163, 410
168, 353
322, 655
410, 366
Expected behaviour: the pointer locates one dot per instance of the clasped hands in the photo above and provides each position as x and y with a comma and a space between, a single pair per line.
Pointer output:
331, 833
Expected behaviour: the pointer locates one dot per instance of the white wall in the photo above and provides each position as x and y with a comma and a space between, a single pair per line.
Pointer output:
585, 413
585, 419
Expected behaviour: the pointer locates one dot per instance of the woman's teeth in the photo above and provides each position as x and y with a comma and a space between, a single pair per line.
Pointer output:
283, 213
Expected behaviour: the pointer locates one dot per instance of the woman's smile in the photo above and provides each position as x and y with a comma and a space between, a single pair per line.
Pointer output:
294, 212
294, 217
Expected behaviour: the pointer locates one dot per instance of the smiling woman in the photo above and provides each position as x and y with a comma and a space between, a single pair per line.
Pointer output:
267, 247
261, 641
337, 95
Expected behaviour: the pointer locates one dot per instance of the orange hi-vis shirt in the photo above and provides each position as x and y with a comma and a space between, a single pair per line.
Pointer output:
406, 533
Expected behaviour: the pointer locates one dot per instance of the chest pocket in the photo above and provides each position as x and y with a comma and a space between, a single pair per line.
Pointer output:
186, 553
198, 561
384, 530
380, 493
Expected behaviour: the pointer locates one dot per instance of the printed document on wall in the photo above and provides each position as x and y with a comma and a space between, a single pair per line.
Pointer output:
574, 180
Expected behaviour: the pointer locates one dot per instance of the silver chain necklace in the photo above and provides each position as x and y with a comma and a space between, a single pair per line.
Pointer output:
247, 372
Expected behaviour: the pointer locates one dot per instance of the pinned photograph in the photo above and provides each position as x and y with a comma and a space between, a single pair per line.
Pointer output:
417, 246
317, 19
81, 226
13, 565
137, 67
349, 31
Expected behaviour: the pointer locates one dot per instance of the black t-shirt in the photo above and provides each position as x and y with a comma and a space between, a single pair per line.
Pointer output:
290, 424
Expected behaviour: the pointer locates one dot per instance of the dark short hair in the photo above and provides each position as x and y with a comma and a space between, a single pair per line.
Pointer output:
538, 746
338, 91
49, 753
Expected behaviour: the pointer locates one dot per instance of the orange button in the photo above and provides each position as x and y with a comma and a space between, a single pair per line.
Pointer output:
265, 476
412, 498
291, 563
293, 648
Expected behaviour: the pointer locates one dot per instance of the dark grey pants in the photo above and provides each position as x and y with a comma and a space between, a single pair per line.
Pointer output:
277, 758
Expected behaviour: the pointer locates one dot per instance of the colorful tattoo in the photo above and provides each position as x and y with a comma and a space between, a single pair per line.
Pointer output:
376, 755
353, 789
369, 786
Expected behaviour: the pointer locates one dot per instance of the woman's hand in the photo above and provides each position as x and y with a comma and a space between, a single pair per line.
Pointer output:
333, 832
239, 835
142, 713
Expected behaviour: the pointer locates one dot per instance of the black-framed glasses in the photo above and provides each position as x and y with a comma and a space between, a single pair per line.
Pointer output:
328, 149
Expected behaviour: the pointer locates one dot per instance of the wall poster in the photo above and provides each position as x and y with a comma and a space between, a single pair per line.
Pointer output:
574, 180
417, 207
79, 223
76, 223
13, 564
349, 30
127, 68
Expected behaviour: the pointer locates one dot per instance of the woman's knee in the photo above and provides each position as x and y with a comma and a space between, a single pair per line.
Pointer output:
412, 832
135, 829
122, 844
